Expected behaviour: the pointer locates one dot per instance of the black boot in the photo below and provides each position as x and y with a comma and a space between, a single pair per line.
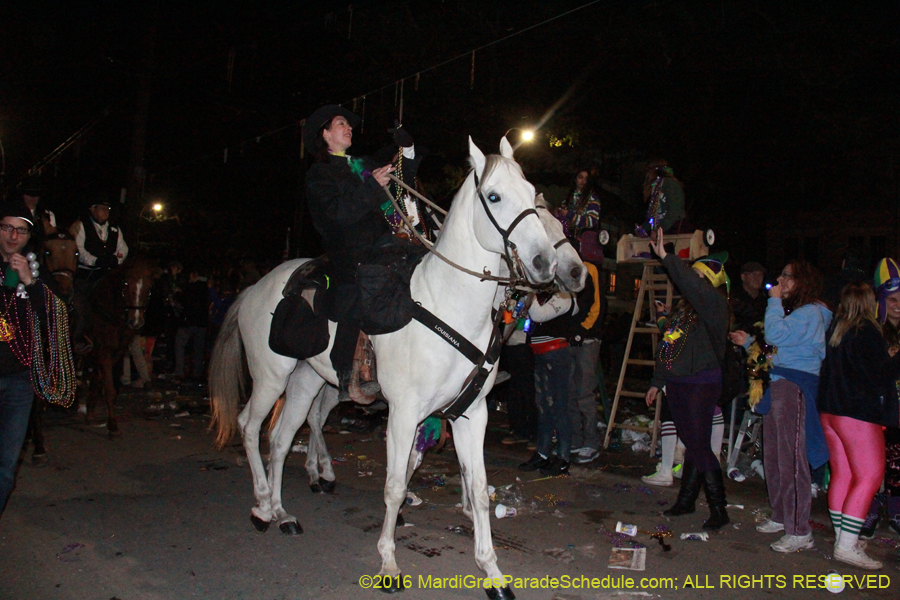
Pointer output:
344, 379
715, 497
691, 481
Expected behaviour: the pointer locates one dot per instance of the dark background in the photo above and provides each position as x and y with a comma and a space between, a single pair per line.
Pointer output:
759, 106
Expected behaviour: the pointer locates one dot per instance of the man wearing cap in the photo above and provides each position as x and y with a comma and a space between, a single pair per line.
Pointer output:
748, 302
101, 247
16, 390
32, 189
345, 196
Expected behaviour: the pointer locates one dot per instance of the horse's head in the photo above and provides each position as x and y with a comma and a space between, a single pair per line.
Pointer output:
137, 279
570, 271
60, 258
506, 221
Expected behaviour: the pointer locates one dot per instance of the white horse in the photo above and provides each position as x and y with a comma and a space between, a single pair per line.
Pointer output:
419, 371
570, 275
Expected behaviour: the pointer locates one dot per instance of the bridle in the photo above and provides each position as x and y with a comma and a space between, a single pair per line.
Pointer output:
510, 251
516, 269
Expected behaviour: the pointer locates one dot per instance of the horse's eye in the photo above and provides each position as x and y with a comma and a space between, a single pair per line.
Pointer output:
493, 197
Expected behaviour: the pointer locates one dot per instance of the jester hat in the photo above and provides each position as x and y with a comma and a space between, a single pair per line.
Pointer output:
713, 268
886, 281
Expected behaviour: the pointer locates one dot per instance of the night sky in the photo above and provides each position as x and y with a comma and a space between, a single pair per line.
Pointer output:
757, 105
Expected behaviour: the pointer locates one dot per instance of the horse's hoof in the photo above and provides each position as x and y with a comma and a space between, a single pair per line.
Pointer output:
400, 520
392, 585
315, 488
38, 459
114, 433
290, 528
503, 593
258, 524
328, 486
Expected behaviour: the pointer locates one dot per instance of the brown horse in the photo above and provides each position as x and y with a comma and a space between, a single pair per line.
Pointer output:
117, 308
59, 258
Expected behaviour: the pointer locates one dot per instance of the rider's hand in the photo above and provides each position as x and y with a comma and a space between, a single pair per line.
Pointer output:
381, 175
650, 397
20, 265
400, 135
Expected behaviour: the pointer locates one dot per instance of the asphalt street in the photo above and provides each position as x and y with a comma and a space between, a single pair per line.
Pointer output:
158, 513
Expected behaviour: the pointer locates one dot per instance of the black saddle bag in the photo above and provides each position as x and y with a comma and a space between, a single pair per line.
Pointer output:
300, 329
385, 304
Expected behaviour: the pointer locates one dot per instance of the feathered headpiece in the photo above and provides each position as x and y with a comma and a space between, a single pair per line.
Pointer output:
886, 281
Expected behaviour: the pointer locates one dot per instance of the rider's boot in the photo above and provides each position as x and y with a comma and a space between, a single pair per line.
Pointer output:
361, 387
365, 354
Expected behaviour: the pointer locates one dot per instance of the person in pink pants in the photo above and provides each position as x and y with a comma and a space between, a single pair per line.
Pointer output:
857, 398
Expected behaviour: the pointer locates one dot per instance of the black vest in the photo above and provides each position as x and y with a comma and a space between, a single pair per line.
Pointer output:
96, 246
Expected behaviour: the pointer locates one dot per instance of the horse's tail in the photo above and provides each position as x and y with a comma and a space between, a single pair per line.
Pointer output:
226, 376
276, 413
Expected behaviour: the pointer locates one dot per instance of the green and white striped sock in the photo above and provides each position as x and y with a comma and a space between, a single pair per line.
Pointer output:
850, 528
836, 523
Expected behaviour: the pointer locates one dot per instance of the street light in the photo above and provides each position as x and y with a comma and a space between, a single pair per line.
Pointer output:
526, 134
157, 209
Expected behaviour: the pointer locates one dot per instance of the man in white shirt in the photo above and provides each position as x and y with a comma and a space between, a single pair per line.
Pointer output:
101, 247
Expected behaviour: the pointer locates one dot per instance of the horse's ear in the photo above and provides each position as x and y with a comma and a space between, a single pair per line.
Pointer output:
506, 150
539, 200
476, 157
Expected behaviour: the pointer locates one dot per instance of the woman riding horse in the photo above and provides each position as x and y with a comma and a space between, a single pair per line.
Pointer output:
345, 199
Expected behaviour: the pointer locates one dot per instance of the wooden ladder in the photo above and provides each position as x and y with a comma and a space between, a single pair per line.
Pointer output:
654, 286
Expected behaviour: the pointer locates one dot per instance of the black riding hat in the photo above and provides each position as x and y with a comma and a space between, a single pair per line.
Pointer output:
321, 117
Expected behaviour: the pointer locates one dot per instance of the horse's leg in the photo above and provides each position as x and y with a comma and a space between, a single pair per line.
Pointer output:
109, 394
302, 387
401, 433
317, 457
468, 437
38, 406
266, 391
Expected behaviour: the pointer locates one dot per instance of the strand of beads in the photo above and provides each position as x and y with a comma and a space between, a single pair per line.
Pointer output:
54, 380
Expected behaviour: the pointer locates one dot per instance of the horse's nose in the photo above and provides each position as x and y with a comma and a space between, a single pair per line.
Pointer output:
544, 266
576, 272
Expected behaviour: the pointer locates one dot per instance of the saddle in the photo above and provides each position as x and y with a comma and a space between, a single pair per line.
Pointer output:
300, 327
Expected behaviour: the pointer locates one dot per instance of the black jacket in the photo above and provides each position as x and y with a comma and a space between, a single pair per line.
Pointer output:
706, 339
345, 209
858, 378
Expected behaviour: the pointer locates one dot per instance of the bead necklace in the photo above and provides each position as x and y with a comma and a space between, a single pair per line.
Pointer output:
398, 225
54, 378
14, 331
675, 336
52, 368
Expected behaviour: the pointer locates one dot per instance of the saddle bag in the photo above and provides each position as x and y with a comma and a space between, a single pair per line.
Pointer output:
299, 329
385, 304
